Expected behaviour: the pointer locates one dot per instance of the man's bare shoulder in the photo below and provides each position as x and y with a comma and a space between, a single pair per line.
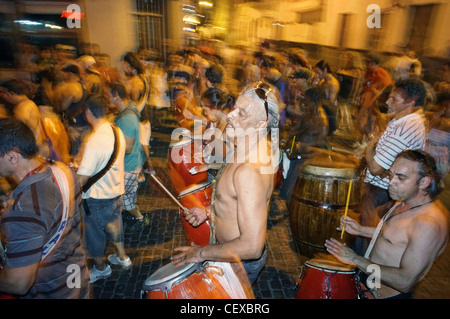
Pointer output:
252, 175
69, 89
432, 220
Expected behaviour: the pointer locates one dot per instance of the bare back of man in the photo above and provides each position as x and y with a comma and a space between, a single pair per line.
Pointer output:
67, 93
29, 113
135, 87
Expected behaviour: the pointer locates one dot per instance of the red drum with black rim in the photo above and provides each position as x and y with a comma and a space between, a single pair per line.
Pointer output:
327, 279
196, 196
181, 160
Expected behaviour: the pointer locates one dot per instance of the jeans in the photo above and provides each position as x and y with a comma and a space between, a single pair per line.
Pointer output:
103, 222
254, 267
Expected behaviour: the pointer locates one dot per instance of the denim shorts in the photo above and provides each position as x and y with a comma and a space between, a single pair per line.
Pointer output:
103, 222
254, 267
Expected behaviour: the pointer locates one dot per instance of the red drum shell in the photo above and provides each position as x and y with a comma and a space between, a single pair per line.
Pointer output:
327, 280
191, 281
181, 160
196, 196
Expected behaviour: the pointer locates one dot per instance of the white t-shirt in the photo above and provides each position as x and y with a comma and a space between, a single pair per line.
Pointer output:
407, 132
98, 149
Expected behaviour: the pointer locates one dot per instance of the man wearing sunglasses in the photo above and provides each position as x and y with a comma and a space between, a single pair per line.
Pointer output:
243, 189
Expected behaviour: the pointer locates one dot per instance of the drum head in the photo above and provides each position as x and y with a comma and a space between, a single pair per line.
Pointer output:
183, 142
332, 265
333, 164
193, 189
170, 273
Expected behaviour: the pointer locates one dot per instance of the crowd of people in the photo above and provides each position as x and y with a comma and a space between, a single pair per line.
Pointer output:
75, 108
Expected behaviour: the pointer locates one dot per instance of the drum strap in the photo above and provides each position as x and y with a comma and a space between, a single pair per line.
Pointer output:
378, 231
93, 179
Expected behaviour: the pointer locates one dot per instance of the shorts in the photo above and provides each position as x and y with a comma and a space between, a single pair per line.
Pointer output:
102, 213
131, 188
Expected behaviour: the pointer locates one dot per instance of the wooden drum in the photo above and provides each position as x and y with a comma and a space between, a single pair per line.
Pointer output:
319, 198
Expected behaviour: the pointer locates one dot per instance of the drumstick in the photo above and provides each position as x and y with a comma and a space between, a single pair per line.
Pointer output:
292, 146
346, 207
169, 193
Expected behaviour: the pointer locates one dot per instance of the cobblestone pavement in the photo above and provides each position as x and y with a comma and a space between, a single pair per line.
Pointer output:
150, 247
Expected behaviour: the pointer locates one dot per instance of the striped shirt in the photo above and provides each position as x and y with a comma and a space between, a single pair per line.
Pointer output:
408, 132
30, 223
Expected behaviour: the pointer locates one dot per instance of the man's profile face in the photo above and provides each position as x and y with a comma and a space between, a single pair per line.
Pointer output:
404, 180
246, 113
6, 169
397, 101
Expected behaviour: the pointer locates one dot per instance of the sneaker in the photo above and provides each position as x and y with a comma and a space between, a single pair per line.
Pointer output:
99, 274
140, 223
125, 263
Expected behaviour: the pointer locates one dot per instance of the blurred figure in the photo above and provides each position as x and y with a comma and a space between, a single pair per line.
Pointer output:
243, 190
300, 83
310, 129
350, 76
411, 235
53, 129
43, 226
26, 111
128, 120
44, 59
109, 74
326, 81
216, 105
404, 64
438, 138
444, 84
273, 76
329, 85
377, 83
184, 97
213, 77
159, 95
145, 132
68, 98
91, 78
135, 80
406, 130
102, 197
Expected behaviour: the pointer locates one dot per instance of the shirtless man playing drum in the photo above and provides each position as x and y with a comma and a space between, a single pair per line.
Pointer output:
414, 232
243, 190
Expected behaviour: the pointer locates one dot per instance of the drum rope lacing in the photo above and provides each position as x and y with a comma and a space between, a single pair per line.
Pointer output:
328, 295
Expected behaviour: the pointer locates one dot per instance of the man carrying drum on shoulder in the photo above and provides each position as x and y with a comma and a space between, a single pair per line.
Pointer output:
411, 234
244, 187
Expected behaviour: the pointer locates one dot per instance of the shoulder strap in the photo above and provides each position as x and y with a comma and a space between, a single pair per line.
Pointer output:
64, 188
93, 179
